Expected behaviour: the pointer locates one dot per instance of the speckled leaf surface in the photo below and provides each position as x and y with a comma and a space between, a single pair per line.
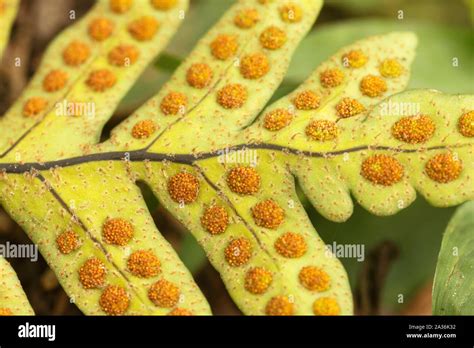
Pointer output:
68, 222
453, 289
332, 134
13, 300
114, 50
373, 134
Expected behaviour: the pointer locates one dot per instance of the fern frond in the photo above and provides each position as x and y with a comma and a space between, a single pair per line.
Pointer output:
13, 300
226, 172
83, 75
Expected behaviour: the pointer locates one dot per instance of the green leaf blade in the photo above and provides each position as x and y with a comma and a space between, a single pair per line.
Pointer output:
453, 289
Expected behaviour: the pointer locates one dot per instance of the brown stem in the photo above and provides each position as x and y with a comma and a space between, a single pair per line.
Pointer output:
372, 278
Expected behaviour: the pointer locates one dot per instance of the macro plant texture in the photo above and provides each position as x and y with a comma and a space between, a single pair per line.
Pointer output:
224, 160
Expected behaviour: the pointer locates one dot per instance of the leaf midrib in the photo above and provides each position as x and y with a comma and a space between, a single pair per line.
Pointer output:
190, 159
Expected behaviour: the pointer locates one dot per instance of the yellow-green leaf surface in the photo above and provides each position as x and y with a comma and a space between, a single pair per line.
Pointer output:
8, 10
78, 106
340, 168
213, 124
227, 170
80, 200
68, 222
453, 289
13, 300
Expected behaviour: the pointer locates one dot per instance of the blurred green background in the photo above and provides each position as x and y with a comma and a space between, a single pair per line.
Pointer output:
445, 32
